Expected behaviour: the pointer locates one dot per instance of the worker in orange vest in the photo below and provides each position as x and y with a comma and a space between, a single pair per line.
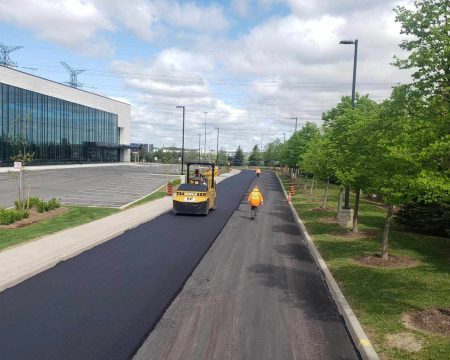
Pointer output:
258, 171
255, 199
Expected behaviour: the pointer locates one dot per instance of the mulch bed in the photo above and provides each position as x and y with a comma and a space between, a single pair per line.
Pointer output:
35, 217
434, 320
348, 234
393, 262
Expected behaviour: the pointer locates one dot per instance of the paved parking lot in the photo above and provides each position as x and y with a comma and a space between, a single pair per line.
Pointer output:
109, 186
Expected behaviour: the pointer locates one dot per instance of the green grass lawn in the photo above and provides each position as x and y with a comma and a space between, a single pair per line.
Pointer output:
154, 196
74, 217
380, 297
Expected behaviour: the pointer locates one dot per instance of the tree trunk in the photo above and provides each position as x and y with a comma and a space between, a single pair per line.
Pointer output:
306, 180
324, 204
312, 184
341, 190
356, 213
387, 225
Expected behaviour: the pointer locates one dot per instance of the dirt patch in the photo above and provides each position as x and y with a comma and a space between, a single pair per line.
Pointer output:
36, 217
329, 220
434, 321
394, 262
348, 234
404, 341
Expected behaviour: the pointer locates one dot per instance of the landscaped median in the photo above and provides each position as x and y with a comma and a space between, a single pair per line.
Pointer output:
392, 302
72, 217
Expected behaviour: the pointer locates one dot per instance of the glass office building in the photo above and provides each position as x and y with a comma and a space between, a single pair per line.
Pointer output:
57, 131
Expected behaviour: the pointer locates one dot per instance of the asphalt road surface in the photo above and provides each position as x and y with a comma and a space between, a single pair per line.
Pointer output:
109, 186
257, 294
103, 303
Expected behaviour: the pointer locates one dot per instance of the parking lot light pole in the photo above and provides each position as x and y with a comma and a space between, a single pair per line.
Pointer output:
284, 138
199, 153
217, 151
296, 119
205, 133
355, 60
182, 142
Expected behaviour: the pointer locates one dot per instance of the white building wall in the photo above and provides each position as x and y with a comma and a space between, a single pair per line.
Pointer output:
50, 88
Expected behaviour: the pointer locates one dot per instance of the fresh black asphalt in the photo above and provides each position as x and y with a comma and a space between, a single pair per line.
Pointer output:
257, 294
103, 303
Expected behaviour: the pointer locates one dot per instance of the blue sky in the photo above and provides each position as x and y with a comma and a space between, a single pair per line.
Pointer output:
250, 64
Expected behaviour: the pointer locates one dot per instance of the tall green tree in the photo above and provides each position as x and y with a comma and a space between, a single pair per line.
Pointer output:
295, 147
428, 45
255, 156
238, 159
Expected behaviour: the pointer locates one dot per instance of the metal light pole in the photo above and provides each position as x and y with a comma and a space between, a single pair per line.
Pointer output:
182, 142
355, 60
284, 138
205, 132
217, 151
199, 153
296, 119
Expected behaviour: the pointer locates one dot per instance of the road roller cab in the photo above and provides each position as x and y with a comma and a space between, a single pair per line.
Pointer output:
198, 194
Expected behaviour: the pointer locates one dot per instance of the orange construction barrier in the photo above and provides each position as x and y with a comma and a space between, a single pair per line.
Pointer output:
169, 189
292, 189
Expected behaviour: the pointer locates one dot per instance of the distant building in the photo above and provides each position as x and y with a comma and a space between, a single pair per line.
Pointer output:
59, 123
145, 147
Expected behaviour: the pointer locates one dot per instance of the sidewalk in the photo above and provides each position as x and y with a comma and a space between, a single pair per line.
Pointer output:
24, 261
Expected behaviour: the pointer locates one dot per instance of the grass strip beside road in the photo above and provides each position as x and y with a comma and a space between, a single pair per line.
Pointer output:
74, 217
381, 296
153, 196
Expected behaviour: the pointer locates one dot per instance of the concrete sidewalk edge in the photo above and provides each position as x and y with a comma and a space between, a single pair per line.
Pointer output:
355, 329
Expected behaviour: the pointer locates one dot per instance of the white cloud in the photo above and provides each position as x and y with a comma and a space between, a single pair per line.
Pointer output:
80, 24
70, 23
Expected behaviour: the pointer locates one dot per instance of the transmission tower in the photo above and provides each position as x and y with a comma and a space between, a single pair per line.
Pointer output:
73, 76
5, 60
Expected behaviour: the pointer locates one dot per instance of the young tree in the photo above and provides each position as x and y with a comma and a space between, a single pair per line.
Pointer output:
349, 132
317, 159
238, 159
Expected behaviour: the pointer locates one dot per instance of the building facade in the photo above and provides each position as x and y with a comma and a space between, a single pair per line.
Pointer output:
59, 124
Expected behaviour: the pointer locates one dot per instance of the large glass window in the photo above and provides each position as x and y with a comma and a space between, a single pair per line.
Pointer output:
55, 130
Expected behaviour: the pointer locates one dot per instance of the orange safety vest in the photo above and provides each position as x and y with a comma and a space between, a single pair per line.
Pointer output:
255, 198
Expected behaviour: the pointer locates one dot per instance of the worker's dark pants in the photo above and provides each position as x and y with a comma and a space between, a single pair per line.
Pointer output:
257, 174
253, 211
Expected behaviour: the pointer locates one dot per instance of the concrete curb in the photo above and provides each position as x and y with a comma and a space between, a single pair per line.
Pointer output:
48, 264
355, 329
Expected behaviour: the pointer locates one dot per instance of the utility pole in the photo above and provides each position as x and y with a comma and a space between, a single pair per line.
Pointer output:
182, 142
205, 132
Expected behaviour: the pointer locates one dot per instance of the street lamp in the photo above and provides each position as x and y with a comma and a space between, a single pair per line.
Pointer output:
295, 118
205, 132
355, 60
284, 138
217, 151
199, 153
182, 142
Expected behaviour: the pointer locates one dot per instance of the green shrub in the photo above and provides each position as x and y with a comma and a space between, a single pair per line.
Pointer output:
40, 206
53, 204
175, 182
431, 219
10, 216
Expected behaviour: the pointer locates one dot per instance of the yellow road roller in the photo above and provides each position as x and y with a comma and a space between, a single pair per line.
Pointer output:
198, 194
